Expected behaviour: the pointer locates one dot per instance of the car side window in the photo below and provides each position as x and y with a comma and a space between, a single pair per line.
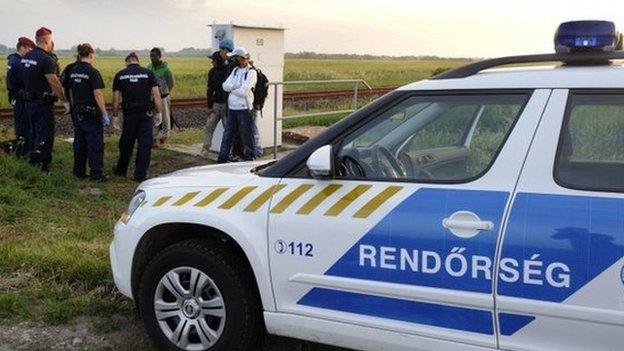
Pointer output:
591, 146
432, 138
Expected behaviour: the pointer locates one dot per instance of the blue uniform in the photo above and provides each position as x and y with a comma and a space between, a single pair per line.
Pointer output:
135, 84
82, 79
15, 87
39, 105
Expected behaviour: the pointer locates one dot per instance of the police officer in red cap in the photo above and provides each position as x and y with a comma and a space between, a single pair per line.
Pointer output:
135, 89
89, 114
15, 87
42, 89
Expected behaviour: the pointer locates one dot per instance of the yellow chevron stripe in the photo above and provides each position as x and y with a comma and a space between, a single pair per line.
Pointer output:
186, 198
290, 198
318, 199
161, 201
237, 197
264, 197
346, 200
211, 197
377, 201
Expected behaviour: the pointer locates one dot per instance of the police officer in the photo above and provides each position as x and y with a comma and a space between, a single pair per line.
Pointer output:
42, 89
135, 89
89, 115
15, 87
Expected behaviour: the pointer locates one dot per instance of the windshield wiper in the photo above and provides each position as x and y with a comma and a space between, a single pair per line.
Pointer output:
257, 169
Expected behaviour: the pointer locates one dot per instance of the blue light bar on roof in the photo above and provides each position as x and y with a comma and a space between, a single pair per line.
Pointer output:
583, 36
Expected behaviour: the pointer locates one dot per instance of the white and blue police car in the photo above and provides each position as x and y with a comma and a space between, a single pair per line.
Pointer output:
481, 209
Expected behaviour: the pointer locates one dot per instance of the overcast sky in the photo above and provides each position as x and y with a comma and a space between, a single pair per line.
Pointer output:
454, 28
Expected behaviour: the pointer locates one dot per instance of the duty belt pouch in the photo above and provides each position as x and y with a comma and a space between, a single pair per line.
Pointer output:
86, 112
48, 99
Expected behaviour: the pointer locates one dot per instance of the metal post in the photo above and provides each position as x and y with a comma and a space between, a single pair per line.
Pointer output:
275, 122
355, 95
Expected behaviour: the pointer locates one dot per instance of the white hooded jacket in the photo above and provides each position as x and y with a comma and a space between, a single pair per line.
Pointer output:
239, 85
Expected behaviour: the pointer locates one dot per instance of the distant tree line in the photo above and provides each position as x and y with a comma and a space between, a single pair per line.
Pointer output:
319, 56
199, 52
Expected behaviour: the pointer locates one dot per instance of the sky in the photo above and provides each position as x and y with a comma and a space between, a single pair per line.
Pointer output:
448, 28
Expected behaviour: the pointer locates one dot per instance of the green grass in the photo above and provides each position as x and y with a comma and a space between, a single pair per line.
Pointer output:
190, 73
54, 237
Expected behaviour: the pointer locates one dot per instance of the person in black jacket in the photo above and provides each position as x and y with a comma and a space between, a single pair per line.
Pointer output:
216, 97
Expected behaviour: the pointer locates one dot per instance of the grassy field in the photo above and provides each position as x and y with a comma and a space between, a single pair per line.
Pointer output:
190, 73
54, 237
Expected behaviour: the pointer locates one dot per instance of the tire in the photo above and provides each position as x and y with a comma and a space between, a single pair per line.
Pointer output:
241, 326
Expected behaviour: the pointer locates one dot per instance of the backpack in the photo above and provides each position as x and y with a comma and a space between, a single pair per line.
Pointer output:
261, 90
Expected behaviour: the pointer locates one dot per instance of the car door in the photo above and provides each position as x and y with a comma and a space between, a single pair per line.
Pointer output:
393, 242
561, 279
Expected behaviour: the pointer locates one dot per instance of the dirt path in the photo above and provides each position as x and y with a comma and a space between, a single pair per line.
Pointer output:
117, 333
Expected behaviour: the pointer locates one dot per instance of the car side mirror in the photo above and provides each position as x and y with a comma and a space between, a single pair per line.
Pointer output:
320, 163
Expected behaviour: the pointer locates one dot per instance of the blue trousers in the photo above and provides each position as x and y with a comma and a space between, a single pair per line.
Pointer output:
238, 121
257, 151
88, 145
137, 128
41, 117
21, 124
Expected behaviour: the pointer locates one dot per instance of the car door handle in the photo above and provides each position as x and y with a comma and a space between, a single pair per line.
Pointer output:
467, 224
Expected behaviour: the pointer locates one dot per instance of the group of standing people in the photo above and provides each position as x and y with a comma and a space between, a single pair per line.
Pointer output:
236, 92
35, 83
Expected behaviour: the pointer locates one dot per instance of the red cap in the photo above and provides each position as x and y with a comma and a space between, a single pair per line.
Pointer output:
43, 31
132, 55
23, 41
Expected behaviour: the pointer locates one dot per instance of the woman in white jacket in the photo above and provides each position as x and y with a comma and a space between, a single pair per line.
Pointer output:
239, 85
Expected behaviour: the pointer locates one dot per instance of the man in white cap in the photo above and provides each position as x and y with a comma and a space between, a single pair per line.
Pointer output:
239, 85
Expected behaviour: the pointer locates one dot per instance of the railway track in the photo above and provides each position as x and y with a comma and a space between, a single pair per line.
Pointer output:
288, 97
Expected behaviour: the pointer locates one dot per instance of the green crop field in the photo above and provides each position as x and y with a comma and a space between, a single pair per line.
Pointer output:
190, 73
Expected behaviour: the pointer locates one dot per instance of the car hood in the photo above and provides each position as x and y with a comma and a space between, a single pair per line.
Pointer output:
231, 174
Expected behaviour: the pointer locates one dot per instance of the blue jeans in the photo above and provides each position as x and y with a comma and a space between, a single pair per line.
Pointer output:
238, 121
257, 150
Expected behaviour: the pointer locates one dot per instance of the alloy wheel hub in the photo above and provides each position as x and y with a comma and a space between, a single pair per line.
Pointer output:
191, 308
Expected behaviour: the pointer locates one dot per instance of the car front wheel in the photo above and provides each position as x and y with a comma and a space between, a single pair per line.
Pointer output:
196, 296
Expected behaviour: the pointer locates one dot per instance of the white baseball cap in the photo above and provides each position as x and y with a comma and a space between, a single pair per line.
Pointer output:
239, 51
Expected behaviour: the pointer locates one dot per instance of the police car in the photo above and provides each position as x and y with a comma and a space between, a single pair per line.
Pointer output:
480, 209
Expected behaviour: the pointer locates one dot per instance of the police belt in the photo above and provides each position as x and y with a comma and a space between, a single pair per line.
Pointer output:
139, 107
86, 111
45, 98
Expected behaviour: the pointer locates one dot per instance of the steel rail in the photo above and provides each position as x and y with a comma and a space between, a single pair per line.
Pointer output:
290, 96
